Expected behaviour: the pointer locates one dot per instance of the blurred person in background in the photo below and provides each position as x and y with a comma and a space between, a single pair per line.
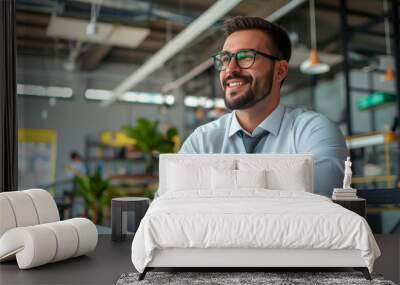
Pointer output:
76, 165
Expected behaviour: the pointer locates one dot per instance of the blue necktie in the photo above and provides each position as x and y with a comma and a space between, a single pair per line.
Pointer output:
250, 142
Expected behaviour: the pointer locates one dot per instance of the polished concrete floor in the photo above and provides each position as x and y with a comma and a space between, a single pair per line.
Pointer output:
389, 262
110, 260
103, 266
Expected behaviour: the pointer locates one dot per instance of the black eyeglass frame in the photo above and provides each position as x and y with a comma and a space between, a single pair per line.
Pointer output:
233, 55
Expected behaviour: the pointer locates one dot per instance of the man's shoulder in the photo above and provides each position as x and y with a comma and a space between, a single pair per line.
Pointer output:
219, 125
306, 118
208, 137
310, 127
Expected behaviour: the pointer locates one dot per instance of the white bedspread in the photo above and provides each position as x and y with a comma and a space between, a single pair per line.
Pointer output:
250, 219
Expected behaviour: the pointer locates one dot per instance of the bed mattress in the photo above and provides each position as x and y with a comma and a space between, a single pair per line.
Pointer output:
250, 219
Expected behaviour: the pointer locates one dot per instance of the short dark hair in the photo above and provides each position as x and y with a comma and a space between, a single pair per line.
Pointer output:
74, 155
278, 36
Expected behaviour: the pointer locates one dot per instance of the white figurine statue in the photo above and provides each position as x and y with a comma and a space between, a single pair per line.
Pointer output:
347, 174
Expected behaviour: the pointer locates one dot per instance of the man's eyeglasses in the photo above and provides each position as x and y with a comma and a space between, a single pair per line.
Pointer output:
244, 58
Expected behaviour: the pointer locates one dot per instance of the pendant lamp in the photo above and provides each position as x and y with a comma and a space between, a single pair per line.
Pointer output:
91, 28
389, 72
313, 65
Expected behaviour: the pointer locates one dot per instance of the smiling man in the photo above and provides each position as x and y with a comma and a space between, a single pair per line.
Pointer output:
253, 65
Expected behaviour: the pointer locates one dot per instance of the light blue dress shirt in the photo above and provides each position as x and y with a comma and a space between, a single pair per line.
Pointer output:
289, 131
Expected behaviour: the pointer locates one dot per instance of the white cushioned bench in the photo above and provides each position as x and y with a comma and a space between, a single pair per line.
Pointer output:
31, 231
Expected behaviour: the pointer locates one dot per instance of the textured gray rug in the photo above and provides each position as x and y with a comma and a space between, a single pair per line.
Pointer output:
230, 278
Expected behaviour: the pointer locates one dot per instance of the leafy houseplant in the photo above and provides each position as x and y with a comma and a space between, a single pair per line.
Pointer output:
150, 141
97, 195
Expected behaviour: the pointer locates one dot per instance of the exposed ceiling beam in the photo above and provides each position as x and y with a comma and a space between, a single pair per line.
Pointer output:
41, 47
359, 13
117, 4
94, 56
201, 5
167, 12
160, 26
284, 10
279, 13
185, 78
31, 32
207, 19
35, 43
127, 57
32, 18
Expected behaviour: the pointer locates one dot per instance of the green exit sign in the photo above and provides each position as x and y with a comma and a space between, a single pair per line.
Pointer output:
375, 99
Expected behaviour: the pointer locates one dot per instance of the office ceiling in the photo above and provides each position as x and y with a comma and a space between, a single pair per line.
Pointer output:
151, 24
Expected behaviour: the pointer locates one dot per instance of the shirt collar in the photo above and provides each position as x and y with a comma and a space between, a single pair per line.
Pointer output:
272, 123
235, 126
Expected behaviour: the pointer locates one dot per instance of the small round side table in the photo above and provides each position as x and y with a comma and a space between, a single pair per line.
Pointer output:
119, 209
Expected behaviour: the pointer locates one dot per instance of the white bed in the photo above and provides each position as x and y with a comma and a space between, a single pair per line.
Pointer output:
268, 217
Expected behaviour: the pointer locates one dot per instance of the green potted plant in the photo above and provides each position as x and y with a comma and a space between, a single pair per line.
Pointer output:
96, 193
150, 141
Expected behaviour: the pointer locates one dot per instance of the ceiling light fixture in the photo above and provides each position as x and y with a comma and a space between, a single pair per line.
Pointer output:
313, 65
91, 29
46, 91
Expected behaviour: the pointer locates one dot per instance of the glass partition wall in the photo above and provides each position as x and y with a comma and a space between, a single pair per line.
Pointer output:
75, 127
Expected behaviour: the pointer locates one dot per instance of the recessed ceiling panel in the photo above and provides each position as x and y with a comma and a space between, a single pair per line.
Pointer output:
107, 34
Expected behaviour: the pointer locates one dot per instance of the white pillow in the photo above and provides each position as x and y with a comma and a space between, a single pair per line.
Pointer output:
281, 174
224, 179
251, 178
182, 177
293, 180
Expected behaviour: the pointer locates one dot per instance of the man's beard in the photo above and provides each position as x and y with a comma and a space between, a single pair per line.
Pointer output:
249, 99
